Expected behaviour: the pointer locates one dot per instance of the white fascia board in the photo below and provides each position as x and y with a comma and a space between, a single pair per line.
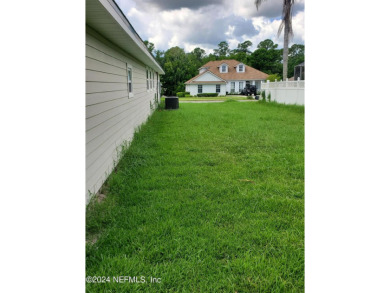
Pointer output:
109, 6
207, 71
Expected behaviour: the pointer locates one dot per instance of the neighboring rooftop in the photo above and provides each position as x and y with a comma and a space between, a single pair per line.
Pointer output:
249, 74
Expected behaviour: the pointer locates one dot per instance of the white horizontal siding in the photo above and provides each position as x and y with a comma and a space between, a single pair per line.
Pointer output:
97, 98
208, 77
97, 76
101, 66
192, 89
223, 90
206, 88
111, 116
209, 88
101, 87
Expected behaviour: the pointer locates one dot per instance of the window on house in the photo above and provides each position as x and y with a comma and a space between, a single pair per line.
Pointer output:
150, 80
147, 79
240, 68
218, 88
153, 79
129, 80
232, 87
224, 68
240, 86
200, 89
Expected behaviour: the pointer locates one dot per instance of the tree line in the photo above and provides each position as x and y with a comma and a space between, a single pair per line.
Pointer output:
180, 66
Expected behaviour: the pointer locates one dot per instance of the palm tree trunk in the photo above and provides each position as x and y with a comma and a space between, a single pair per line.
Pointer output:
285, 49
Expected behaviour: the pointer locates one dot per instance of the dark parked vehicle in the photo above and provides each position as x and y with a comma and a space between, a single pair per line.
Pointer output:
249, 90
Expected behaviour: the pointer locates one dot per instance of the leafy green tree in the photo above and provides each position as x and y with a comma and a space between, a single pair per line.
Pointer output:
179, 67
240, 56
296, 56
193, 62
160, 57
199, 53
296, 50
222, 51
244, 47
267, 57
150, 46
273, 77
210, 57
267, 45
242, 53
286, 25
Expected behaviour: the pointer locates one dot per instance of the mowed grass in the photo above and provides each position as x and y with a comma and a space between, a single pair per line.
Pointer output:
219, 98
209, 198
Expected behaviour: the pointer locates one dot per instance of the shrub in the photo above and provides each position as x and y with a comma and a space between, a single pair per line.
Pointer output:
273, 77
263, 95
269, 97
180, 94
208, 95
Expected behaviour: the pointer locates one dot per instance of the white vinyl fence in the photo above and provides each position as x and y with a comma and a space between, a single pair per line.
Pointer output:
285, 92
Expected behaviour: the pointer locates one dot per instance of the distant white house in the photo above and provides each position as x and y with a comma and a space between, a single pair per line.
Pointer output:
122, 87
224, 76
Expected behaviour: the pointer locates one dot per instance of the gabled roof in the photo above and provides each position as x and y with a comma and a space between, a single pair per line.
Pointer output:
249, 74
194, 81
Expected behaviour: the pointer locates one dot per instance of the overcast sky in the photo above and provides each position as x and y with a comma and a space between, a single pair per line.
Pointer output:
205, 23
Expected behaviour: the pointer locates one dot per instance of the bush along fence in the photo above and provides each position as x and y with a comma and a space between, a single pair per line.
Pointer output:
285, 92
182, 94
208, 95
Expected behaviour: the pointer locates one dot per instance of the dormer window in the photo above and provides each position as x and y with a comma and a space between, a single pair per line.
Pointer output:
241, 68
224, 68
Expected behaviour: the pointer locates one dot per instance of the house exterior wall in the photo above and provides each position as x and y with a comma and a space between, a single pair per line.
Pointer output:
207, 88
236, 82
111, 114
208, 77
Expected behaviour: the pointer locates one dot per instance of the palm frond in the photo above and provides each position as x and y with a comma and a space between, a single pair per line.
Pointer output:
287, 18
258, 3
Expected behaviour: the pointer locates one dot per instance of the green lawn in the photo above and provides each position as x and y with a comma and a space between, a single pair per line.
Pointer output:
209, 198
220, 98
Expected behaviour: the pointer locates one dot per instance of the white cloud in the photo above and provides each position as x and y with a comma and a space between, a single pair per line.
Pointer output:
230, 31
269, 29
233, 21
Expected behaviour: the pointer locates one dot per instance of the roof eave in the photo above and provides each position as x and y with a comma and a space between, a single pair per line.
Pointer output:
125, 36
